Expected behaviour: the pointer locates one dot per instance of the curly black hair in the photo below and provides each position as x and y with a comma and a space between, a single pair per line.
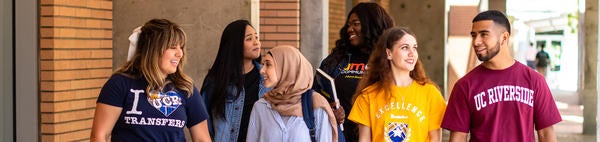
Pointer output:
374, 20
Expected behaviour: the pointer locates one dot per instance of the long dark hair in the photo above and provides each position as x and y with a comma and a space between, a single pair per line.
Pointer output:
227, 69
380, 68
157, 36
374, 20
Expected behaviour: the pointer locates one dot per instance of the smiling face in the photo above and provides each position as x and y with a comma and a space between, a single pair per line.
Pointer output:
268, 71
251, 44
403, 55
170, 59
354, 30
486, 39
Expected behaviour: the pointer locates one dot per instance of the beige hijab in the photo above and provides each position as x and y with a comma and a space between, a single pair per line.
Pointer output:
295, 75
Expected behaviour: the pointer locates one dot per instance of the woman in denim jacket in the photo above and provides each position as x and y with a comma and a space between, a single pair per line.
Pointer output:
233, 83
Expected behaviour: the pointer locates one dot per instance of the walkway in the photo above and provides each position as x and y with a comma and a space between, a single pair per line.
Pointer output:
571, 110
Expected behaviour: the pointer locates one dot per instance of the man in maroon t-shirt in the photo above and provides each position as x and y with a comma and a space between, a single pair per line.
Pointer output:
500, 100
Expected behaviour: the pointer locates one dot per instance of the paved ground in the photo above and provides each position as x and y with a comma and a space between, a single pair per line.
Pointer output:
570, 129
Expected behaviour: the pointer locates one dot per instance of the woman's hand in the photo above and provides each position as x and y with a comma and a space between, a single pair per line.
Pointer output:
340, 114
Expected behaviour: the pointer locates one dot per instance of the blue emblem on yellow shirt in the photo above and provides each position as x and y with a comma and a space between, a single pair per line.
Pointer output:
397, 132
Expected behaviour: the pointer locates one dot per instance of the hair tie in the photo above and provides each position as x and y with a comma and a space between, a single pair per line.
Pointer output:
133, 39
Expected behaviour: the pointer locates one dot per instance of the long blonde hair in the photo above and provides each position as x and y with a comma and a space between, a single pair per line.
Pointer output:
157, 36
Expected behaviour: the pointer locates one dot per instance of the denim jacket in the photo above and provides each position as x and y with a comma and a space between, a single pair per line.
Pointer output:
227, 129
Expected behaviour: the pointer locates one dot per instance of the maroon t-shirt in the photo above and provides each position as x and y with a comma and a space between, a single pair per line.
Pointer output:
501, 105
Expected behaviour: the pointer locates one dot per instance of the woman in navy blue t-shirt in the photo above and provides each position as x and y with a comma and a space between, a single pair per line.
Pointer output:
149, 98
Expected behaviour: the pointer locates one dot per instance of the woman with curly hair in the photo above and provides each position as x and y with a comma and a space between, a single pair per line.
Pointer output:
348, 60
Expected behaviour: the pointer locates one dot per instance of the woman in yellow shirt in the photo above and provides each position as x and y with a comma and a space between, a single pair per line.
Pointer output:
397, 101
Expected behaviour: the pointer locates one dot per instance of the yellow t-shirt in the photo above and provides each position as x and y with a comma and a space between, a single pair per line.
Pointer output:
407, 115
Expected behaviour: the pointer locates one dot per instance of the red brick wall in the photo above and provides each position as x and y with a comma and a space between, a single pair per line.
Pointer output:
337, 19
355, 2
75, 61
279, 23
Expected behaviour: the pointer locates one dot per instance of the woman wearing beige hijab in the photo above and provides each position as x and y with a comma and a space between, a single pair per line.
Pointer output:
278, 115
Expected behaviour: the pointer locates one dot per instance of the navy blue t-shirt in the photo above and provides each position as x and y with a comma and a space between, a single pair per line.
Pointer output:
160, 118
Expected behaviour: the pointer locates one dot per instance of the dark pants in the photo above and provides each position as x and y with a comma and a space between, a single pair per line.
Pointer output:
542, 70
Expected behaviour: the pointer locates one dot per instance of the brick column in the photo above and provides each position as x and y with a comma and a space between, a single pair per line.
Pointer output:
337, 19
499, 5
75, 61
279, 23
355, 2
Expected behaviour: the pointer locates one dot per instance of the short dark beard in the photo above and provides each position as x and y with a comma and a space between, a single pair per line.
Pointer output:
491, 53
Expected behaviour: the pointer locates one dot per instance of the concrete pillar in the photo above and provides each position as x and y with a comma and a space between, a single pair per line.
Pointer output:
314, 30
255, 14
7, 72
430, 30
203, 21
26, 71
590, 67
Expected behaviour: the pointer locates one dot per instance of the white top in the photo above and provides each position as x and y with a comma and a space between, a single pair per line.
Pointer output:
266, 125
531, 52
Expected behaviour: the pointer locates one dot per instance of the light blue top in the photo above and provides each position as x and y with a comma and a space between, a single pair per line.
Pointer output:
266, 125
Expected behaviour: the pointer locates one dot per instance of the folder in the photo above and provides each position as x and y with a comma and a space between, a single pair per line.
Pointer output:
334, 92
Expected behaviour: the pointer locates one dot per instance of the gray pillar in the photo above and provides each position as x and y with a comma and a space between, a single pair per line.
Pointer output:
590, 67
430, 30
314, 30
203, 21
255, 14
26, 70
6, 73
